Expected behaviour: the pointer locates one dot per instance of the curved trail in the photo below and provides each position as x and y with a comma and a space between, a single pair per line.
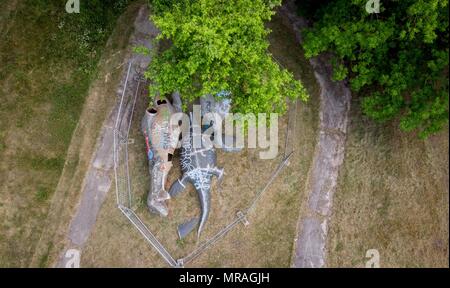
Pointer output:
310, 243
99, 175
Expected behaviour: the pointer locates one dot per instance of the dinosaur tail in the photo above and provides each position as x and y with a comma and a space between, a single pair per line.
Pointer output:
205, 203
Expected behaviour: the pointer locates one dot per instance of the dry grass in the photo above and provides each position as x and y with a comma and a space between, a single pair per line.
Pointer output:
393, 196
267, 242
43, 88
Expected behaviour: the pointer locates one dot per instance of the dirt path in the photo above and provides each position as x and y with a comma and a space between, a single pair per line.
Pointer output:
310, 249
99, 176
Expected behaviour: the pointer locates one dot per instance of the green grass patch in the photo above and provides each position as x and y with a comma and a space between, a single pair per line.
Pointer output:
48, 61
42, 194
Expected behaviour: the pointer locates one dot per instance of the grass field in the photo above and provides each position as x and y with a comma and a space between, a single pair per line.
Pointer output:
392, 196
48, 60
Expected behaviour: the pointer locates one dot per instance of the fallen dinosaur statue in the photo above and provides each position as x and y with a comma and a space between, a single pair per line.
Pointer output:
161, 140
199, 166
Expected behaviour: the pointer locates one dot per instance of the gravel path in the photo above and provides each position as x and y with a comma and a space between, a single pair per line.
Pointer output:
310, 246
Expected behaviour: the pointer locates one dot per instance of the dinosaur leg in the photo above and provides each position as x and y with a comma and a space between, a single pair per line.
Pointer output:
186, 228
218, 172
178, 186
156, 195
158, 207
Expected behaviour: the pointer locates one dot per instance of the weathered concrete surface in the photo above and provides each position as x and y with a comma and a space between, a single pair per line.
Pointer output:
310, 246
323, 179
313, 238
99, 177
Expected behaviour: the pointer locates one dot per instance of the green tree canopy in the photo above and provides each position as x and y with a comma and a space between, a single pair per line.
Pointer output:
397, 60
219, 45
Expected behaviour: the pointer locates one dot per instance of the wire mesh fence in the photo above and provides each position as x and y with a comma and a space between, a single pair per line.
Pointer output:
124, 193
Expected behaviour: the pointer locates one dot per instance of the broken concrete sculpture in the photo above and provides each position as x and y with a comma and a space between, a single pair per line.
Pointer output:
199, 165
161, 139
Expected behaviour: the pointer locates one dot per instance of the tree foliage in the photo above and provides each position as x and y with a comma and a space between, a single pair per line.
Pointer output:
218, 46
396, 59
